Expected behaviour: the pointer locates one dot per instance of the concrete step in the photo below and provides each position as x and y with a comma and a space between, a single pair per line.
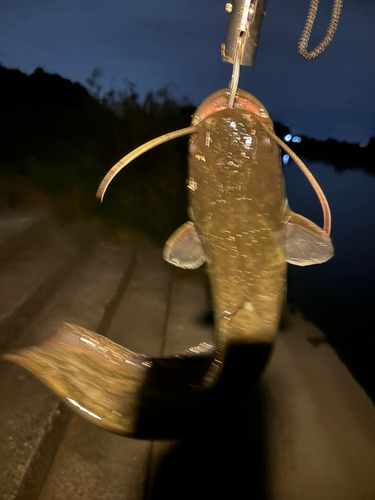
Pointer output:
33, 275
12, 223
91, 463
18, 231
306, 432
32, 417
162, 312
319, 423
187, 326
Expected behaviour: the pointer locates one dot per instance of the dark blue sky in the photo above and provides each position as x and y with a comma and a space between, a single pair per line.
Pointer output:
178, 42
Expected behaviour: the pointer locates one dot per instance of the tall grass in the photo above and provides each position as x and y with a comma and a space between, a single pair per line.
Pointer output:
63, 140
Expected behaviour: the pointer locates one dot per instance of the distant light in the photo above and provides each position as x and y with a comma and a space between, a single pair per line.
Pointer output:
296, 138
285, 159
362, 144
288, 137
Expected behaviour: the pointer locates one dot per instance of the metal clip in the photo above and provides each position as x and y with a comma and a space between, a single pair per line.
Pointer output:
245, 23
246, 17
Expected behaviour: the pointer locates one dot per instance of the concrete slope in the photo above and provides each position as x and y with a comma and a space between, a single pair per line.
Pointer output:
306, 432
161, 312
32, 418
320, 425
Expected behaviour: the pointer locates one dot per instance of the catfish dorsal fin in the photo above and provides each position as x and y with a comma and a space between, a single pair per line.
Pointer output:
304, 243
138, 152
184, 248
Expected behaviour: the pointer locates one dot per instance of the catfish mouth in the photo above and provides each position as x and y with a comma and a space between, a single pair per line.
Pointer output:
219, 101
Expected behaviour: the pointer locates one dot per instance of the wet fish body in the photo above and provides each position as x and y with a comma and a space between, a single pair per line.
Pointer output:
239, 221
237, 205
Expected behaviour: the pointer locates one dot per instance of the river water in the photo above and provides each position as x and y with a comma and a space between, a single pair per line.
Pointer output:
339, 296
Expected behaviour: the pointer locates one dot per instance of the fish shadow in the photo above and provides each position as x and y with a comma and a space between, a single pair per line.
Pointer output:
224, 458
221, 452
317, 341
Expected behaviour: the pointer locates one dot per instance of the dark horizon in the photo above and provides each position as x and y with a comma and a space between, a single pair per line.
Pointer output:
95, 90
331, 96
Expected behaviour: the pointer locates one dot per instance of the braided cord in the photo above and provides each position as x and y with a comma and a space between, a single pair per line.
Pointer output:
305, 37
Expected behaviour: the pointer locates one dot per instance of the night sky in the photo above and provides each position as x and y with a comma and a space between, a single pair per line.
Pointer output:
168, 42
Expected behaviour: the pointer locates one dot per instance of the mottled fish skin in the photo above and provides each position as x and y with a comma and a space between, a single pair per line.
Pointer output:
238, 205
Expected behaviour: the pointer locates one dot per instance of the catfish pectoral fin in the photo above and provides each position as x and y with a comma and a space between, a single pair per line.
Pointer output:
184, 248
115, 388
304, 242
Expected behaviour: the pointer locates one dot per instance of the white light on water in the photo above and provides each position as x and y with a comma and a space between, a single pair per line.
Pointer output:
288, 138
285, 159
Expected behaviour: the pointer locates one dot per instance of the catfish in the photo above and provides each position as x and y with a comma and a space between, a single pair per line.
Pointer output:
242, 228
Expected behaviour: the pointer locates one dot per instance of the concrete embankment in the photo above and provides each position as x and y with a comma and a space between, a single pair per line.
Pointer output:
307, 432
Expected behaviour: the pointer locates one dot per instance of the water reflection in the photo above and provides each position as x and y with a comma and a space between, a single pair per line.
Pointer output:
339, 296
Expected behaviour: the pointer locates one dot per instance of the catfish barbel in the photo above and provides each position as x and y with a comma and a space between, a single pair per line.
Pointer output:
241, 226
